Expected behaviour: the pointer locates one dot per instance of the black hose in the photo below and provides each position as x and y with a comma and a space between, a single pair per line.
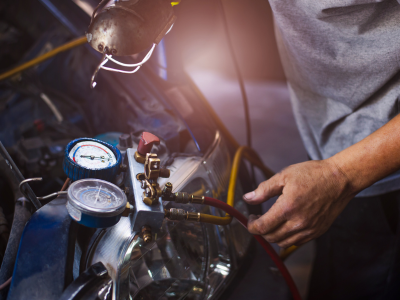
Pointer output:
238, 73
22, 214
14, 177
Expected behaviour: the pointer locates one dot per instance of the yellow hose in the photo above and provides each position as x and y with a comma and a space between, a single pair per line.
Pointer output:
251, 155
285, 253
41, 58
215, 220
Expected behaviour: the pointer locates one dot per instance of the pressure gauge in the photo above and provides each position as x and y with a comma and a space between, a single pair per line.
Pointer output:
95, 203
91, 158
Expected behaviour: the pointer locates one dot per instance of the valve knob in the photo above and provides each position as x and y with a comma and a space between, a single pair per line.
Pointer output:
147, 140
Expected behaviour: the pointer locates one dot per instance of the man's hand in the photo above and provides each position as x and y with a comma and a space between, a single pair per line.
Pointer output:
312, 195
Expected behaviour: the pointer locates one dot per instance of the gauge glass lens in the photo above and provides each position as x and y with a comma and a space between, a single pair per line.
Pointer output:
92, 155
98, 196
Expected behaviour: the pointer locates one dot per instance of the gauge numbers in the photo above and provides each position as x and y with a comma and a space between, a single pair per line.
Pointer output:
92, 155
97, 197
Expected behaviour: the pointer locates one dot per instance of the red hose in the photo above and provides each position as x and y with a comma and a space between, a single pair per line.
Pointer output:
267, 247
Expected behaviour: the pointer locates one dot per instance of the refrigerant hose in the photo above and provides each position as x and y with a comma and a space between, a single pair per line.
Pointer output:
252, 156
267, 247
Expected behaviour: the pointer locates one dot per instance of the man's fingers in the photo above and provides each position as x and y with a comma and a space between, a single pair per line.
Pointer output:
285, 231
268, 222
297, 239
266, 190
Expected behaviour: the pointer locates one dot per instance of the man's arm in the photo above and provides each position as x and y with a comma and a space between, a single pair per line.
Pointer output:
314, 193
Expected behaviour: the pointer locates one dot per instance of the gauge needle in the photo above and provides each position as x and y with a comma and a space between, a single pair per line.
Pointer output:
92, 157
97, 196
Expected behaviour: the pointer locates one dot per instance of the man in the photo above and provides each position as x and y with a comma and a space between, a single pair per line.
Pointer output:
342, 62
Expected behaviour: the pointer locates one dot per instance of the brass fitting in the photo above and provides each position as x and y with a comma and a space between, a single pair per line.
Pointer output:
165, 173
139, 158
146, 234
193, 216
140, 176
148, 200
196, 199
181, 197
167, 190
152, 168
177, 214
128, 210
152, 193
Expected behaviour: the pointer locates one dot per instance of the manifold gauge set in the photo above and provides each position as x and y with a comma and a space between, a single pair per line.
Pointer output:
103, 189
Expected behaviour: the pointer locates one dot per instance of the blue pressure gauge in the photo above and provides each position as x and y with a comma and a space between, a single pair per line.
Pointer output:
91, 158
95, 203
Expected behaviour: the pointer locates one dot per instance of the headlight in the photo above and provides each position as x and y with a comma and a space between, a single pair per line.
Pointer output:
186, 260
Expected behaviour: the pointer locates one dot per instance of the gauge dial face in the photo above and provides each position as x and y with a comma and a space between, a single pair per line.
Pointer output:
92, 155
100, 195
97, 197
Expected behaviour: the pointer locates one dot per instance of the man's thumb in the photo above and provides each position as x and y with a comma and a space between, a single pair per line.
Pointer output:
266, 190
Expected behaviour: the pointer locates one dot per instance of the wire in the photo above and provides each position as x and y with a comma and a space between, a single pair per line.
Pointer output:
65, 185
5, 284
107, 57
137, 65
145, 59
120, 71
220, 125
52, 107
238, 73
74, 43
267, 247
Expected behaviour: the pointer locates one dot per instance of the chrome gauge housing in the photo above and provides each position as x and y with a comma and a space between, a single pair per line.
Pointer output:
185, 260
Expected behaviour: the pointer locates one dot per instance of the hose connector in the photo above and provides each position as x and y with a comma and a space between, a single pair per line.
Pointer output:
177, 214
180, 197
196, 199
193, 216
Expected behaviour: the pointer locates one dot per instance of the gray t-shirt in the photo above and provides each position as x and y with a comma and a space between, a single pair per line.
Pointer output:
341, 59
